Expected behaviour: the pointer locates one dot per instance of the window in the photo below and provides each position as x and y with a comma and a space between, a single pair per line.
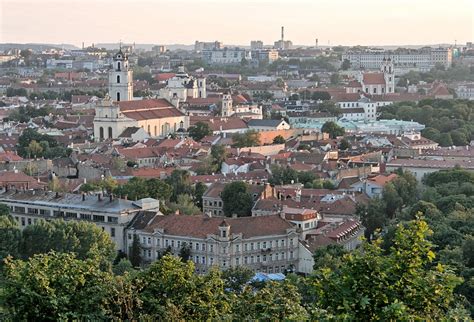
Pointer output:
172, 244
197, 246
251, 246
129, 236
246, 260
264, 245
118, 79
113, 220
33, 211
86, 216
118, 66
211, 248
20, 209
45, 212
211, 261
23, 221
149, 241
112, 232
203, 248
118, 96
110, 132
29, 221
98, 218
71, 215
203, 260
237, 261
166, 242
237, 248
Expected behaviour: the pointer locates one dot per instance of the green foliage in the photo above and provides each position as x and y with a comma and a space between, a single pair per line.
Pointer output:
401, 284
56, 286
24, 113
235, 278
139, 188
199, 130
279, 140
135, 252
346, 64
85, 239
180, 183
448, 122
282, 175
275, 301
218, 155
171, 291
330, 256
372, 216
185, 205
237, 199
344, 145
247, 139
10, 237
332, 129
33, 144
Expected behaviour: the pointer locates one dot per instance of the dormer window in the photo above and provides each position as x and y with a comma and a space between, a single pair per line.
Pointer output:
224, 234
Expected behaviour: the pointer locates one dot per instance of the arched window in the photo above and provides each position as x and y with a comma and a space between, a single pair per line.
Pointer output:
118, 66
110, 132
118, 79
101, 133
118, 96
156, 130
181, 125
149, 129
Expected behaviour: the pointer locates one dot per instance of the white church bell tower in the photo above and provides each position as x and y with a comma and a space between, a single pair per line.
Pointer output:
120, 79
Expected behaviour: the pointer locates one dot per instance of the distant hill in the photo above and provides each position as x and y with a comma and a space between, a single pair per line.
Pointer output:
112, 46
36, 46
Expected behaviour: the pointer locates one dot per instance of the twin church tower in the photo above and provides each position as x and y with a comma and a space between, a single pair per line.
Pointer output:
120, 79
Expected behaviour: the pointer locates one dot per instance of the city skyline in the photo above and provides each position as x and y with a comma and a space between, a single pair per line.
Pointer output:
183, 22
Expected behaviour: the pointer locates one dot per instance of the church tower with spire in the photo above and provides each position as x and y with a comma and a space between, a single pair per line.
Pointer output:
120, 78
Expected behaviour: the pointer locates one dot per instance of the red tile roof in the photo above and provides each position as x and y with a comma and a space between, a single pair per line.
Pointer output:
373, 79
201, 226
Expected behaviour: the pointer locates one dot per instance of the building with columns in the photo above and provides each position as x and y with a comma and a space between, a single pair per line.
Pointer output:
119, 111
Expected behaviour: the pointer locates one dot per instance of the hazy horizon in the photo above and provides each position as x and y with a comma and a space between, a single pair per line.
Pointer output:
237, 22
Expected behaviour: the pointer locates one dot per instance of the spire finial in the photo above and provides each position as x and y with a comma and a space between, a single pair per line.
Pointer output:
120, 44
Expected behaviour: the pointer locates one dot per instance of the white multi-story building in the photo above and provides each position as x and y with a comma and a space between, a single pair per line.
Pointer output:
182, 86
226, 56
110, 213
264, 244
404, 60
465, 91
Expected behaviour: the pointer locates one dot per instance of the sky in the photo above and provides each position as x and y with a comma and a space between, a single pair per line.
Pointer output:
237, 22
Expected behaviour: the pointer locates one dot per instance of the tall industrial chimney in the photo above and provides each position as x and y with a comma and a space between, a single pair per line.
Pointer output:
282, 33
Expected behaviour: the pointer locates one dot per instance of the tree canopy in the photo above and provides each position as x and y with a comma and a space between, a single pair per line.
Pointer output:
237, 199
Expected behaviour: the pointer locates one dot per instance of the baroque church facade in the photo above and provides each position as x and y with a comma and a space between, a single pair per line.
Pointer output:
119, 110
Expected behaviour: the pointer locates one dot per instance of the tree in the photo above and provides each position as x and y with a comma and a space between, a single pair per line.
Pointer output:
135, 256
185, 252
199, 189
320, 95
56, 286
344, 144
330, 256
402, 284
279, 140
237, 199
10, 237
199, 130
335, 78
218, 154
346, 64
34, 149
180, 182
372, 216
185, 205
332, 129
122, 267
275, 301
85, 239
235, 278
247, 139
171, 291
282, 175
393, 201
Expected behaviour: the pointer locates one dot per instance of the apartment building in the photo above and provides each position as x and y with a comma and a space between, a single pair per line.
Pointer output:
263, 244
404, 60
226, 56
110, 213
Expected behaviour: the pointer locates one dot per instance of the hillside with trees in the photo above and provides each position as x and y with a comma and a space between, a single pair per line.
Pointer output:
448, 122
